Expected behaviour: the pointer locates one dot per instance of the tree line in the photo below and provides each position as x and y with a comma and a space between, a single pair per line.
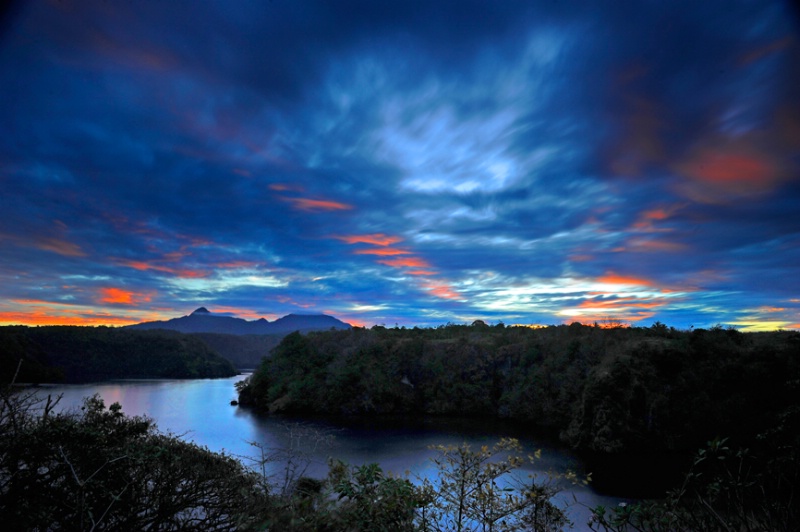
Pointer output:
634, 402
86, 354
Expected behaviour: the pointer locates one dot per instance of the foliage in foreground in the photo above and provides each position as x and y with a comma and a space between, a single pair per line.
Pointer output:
97, 469
726, 489
473, 490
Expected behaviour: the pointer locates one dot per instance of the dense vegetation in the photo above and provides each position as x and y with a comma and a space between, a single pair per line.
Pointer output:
85, 354
98, 469
619, 396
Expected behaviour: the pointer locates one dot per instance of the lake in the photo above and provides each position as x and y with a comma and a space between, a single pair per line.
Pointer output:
200, 411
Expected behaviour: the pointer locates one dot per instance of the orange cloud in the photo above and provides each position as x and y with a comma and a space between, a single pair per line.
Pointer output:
619, 303
646, 218
421, 272
724, 169
377, 239
40, 312
611, 278
382, 251
122, 297
441, 290
406, 262
770, 309
312, 205
45, 318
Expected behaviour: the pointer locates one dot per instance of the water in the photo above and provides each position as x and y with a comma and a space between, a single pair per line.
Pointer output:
200, 411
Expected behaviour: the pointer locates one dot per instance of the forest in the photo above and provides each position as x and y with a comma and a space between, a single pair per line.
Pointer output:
634, 402
89, 354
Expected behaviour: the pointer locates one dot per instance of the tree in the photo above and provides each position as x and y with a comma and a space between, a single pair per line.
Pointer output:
98, 469
372, 500
476, 490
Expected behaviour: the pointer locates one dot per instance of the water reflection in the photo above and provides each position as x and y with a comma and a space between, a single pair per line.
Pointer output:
200, 411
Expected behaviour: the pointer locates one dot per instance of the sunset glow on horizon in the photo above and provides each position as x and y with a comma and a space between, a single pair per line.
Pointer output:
409, 163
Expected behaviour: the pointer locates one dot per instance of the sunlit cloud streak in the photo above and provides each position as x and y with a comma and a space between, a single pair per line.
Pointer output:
377, 239
382, 251
122, 297
314, 205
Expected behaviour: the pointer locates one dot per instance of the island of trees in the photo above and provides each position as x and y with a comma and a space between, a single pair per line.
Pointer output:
636, 402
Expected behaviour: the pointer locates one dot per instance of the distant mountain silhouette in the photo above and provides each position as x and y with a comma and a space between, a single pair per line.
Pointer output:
203, 321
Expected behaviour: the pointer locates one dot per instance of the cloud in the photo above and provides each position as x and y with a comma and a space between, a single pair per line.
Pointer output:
120, 296
414, 162
614, 279
185, 273
385, 251
441, 290
409, 262
62, 247
728, 170
316, 205
40, 312
377, 239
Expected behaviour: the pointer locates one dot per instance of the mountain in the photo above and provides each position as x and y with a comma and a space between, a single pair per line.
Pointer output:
204, 321
306, 322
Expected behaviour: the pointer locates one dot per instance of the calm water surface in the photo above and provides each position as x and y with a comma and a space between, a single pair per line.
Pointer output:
200, 411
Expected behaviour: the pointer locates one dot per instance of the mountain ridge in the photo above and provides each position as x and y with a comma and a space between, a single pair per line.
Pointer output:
202, 320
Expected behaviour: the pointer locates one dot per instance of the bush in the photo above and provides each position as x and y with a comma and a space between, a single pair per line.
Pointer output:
98, 469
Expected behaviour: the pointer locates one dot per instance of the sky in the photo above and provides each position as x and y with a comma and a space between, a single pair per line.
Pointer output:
401, 162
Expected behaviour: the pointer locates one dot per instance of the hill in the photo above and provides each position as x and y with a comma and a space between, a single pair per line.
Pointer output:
244, 351
87, 354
